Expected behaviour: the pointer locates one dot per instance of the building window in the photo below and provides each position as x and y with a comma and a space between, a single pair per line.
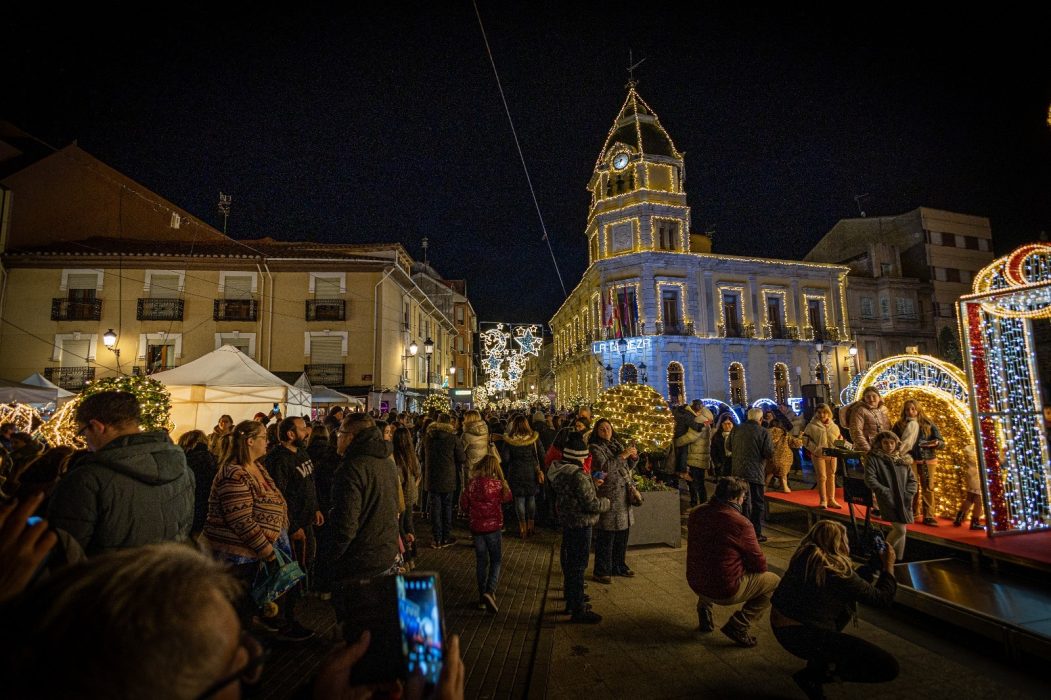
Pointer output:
732, 315
621, 237
775, 316
459, 314
884, 307
868, 308
970, 242
738, 394
670, 309
905, 308
871, 352
780, 382
676, 385
952, 274
245, 342
983, 245
629, 374
886, 269
593, 246
667, 232
816, 316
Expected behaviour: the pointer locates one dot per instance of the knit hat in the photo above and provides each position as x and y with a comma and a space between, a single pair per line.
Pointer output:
575, 449
538, 417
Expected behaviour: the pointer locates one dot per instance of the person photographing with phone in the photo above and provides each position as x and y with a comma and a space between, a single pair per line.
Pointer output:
611, 464
815, 600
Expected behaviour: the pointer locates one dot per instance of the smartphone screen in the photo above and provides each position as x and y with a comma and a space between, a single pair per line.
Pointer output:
419, 614
277, 408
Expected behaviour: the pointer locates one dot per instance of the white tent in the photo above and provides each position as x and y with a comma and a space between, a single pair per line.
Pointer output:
330, 397
37, 379
227, 381
10, 392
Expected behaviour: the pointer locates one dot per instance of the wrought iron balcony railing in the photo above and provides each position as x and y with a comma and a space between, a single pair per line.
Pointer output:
69, 310
674, 328
325, 374
72, 378
326, 310
235, 309
159, 310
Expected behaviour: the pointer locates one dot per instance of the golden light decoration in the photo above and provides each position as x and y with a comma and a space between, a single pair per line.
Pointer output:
24, 416
637, 413
438, 402
953, 419
154, 407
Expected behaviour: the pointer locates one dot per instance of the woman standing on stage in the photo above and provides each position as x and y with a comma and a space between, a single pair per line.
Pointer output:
919, 439
890, 477
821, 434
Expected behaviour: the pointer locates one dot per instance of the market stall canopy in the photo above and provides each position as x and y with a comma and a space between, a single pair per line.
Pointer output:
324, 395
38, 379
226, 381
11, 392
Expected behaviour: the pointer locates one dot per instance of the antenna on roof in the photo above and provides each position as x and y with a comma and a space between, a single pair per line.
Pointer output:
631, 68
424, 243
224, 207
857, 200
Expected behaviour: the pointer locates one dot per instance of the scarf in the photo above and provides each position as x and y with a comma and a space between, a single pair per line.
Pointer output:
909, 435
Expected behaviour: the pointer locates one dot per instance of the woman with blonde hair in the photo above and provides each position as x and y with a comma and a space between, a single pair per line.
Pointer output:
816, 599
524, 456
821, 434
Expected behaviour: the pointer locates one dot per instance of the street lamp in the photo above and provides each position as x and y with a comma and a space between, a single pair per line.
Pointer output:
853, 352
428, 349
622, 345
452, 373
609, 374
109, 339
820, 347
643, 377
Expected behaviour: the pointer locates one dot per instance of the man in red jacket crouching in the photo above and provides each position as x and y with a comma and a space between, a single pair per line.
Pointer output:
724, 563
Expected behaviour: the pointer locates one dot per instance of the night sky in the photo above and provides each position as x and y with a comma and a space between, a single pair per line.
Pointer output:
387, 124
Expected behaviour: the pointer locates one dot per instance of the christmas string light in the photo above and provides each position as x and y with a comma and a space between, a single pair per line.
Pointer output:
438, 402
24, 417
154, 408
638, 413
717, 407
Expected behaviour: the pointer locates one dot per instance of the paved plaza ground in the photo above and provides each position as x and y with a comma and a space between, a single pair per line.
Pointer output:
646, 646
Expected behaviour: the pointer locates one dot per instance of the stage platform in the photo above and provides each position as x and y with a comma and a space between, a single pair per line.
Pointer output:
1011, 608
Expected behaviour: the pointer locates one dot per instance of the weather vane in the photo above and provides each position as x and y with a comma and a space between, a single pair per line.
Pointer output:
633, 64
224, 207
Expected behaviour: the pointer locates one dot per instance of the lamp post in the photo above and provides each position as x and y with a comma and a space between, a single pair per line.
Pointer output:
452, 374
622, 345
853, 352
428, 350
820, 347
609, 374
109, 339
643, 377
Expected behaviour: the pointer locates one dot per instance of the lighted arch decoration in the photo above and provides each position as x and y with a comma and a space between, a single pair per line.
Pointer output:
764, 403
997, 330
716, 407
850, 391
737, 388
676, 383
941, 391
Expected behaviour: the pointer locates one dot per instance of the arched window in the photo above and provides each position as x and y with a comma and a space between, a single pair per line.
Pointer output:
676, 386
629, 374
780, 383
738, 393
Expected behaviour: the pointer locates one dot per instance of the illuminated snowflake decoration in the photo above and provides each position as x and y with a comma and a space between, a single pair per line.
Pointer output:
528, 340
504, 366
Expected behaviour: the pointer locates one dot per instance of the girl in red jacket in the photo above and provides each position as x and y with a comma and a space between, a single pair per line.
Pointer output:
483, 501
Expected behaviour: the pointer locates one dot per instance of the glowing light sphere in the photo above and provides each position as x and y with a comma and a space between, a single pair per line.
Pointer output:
638, 412
437, 402
154, 404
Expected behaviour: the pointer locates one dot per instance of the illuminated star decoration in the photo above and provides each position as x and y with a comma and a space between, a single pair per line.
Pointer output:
527, 339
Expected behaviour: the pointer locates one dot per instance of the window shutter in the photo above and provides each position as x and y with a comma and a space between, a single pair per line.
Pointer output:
327, 288
164, 286
82, 281
239, 287
326, 350
75, 352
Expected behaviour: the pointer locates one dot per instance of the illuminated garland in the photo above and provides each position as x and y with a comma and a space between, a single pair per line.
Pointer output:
682, 300
766, 293
154, 407
24, 416
744, 383
638, 413
438, 402
717, 407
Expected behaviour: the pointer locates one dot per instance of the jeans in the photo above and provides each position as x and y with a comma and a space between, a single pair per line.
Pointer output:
755, 505
488, 552
610, 548
441, 516
698, 491
577, 544
837, 655
525, 508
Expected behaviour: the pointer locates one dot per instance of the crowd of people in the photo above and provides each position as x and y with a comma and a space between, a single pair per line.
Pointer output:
342, 495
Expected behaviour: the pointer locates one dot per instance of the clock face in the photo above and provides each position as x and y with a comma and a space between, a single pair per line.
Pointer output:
620, 161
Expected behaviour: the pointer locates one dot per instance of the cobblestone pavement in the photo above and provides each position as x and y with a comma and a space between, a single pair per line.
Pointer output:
646, 646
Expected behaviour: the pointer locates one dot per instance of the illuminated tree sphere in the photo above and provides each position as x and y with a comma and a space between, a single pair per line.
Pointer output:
437, 402
154, 403
638, 412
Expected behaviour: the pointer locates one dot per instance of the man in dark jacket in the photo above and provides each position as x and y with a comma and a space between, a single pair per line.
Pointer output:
578, 509
133, 489
443, 454
724, 563
752, 446
364, 517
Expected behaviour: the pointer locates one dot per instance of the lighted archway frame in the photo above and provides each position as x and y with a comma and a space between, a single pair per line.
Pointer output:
940, 390
996, 326
717, 407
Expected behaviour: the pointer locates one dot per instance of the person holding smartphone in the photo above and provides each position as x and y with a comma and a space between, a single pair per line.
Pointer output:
919, 439
613, 461
815, 600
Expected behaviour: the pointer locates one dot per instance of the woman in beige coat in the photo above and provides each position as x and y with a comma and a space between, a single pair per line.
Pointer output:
820, 434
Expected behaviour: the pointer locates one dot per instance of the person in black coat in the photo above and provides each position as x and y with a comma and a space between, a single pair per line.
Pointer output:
201, 462
752, 446
721, 447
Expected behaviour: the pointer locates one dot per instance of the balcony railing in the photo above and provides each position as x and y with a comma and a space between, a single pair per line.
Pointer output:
68, 310
159, 310
326, 310
73, 378
779, 332
326, 375
235, 309
674, 328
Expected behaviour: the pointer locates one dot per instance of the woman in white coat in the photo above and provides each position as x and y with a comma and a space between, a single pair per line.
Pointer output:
820, 434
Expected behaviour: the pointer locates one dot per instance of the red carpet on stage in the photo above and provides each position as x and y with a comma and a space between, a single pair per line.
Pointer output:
1034, 547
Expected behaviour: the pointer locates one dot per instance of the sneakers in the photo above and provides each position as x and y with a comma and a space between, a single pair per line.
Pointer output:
810, 687
976, 524
705, 621
602, 579
738, 634
490, 602
435, 544
586, 616
295, 632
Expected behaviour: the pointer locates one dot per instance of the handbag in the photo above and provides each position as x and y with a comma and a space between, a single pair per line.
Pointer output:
634, 496
273, 581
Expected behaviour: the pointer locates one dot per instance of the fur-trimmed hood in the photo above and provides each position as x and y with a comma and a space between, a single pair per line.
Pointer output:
444, 427
521, 441
479, 428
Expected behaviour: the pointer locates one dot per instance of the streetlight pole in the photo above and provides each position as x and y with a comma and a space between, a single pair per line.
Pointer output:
853, 352
622, 345
428, 350
820, 347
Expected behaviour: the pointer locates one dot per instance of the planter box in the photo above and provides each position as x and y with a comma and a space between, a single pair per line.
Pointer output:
657, 520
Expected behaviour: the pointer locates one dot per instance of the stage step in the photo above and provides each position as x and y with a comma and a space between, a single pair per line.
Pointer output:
1011, 611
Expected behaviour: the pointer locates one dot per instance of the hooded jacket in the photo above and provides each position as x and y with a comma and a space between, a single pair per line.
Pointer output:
443, 453
892, 481
475, 442
364, 516
522, 457
483, 500
866, 423
575, 498
136, 490
697, 441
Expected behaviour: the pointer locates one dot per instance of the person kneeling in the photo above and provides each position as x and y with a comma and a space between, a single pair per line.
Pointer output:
725, 564
817, 597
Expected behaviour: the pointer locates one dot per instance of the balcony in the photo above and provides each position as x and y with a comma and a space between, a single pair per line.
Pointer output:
326, 375
69, 310
674, 328
72, 378
326, 310
779, 332
235, 310
159, 310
